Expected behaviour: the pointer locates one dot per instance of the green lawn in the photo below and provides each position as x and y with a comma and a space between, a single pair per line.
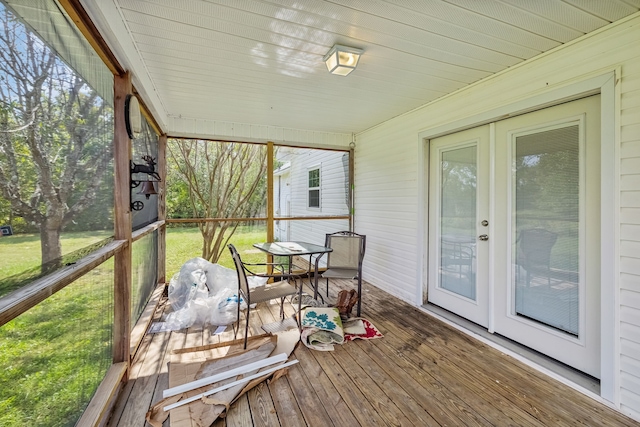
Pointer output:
22, 251
54, 356
186, 243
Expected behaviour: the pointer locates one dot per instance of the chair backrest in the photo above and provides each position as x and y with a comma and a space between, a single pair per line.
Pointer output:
348, 250
536, 245
243, 284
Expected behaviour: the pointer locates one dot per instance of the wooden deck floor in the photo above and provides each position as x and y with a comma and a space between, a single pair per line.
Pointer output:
422, 373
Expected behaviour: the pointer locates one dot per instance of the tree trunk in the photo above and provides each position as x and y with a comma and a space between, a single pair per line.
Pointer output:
51, 248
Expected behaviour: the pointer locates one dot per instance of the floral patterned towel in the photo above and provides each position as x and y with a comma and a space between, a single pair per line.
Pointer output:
321, 328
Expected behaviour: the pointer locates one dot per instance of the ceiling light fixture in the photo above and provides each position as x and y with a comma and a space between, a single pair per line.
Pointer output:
341, 60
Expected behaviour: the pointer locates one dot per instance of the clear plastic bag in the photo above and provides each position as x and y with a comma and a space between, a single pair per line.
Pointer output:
189, 283
203, 293
219, 278
225, 307
220, 309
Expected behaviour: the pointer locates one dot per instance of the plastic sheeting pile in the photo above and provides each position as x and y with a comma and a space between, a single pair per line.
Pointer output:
202, 293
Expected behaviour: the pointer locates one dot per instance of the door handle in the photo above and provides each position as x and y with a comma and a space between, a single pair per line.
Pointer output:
483, 237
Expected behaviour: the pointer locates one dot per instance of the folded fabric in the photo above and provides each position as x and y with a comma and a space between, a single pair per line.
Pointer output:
353, 331
353, 326
321, 328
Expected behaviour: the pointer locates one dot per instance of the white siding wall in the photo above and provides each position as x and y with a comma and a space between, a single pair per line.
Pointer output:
387, 198
333, 177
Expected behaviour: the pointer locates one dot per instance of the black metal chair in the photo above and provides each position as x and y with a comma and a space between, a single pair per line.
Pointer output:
278, 289
534, 253
345, 261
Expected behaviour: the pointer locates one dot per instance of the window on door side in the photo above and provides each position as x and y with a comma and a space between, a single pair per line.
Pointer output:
313, 200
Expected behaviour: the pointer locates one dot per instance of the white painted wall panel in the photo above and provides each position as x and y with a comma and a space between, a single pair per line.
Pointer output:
387, 157
630, 232
632, 333
630, 199
630, 100
631, 316
631, 384
630, 182
629, 392
630, 246
629, 402
629, 348
630, 282
631, 365
630, 215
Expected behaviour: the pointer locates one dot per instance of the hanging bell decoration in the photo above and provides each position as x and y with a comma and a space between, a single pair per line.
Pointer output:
147, 189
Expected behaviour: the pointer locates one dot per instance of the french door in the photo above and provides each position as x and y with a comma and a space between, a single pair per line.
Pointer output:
542, 249
458, 225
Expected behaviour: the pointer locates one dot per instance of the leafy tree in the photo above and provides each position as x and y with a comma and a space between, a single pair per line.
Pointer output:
55, 135
217, 180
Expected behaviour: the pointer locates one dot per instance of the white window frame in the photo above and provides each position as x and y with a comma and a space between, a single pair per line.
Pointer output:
318, 188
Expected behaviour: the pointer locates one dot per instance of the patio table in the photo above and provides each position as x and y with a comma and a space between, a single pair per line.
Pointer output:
291, 249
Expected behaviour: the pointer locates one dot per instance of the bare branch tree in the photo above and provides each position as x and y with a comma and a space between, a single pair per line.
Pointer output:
53, 148
222, 179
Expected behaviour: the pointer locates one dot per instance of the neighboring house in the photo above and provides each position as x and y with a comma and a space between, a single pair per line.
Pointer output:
483, 129
310, 183
282, 201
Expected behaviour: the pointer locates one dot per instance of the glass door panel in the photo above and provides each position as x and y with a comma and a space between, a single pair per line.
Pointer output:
547, 256
457, 270
458, 213
545, 259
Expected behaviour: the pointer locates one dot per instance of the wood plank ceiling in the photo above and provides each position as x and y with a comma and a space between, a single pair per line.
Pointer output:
260, 61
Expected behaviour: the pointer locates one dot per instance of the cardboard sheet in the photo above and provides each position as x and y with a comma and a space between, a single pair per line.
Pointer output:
190, 364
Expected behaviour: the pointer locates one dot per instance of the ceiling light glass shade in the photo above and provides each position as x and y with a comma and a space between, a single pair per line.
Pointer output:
342, 60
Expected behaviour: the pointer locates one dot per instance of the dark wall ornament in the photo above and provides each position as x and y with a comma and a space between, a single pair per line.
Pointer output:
148, 187
132, 117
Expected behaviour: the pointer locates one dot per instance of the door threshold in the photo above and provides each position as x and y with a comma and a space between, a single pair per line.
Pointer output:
578, 378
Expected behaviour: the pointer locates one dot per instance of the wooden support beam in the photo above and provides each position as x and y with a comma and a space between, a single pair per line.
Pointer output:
97, 411
162, 208
21, 300
180, 220
351, 187
270, 153
80, 17
122, 214
142, 325
141, 232
270, 210
146, 113
296, 218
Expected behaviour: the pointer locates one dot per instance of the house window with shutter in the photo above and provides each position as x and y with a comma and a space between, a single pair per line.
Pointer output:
314, 188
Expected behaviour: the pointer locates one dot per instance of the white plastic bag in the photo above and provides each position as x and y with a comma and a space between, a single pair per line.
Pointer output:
219, 278
185, 287
225, 308
218, 310
202, 293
